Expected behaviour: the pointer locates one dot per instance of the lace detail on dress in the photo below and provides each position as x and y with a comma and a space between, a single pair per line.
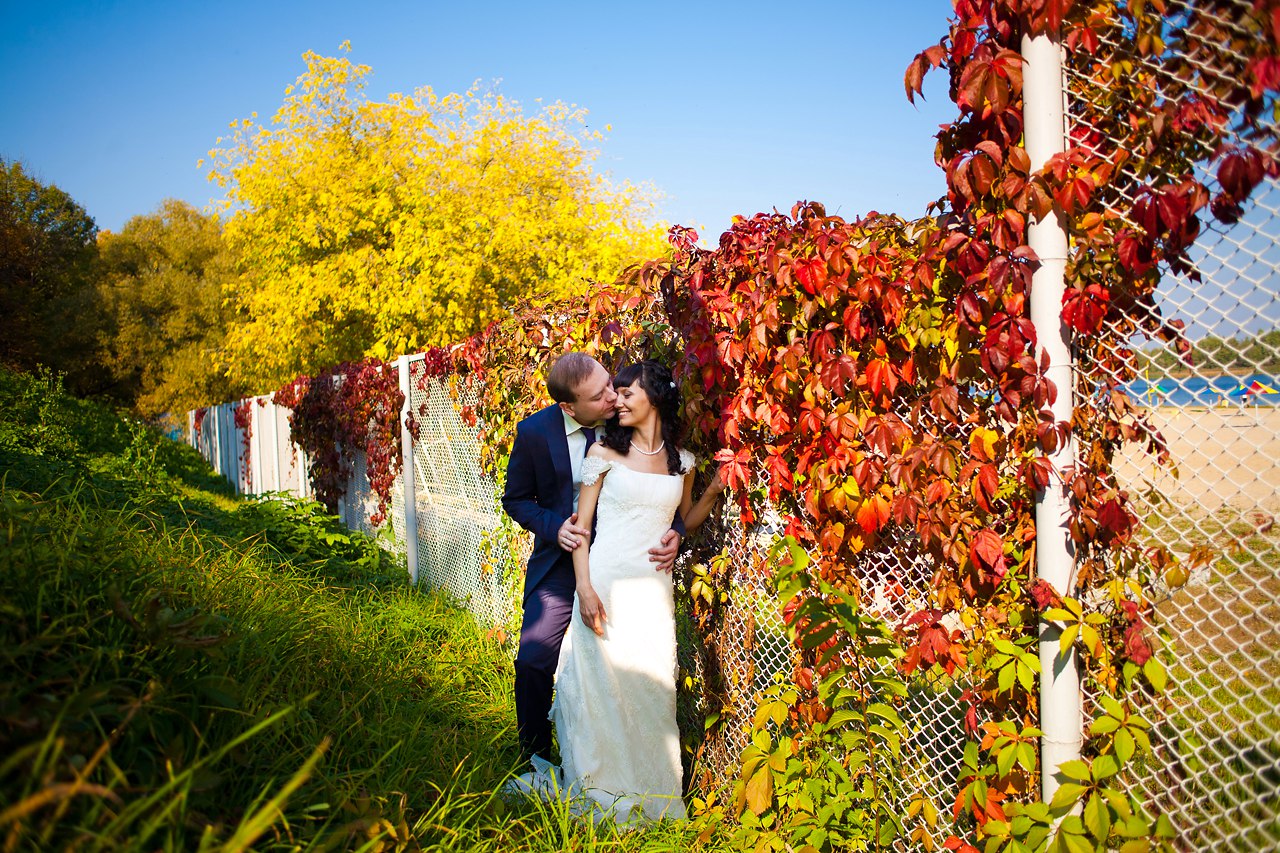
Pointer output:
687, 461
592, 468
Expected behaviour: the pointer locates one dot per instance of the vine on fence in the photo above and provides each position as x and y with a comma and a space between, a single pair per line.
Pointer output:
242, 413
352, 407
198, 420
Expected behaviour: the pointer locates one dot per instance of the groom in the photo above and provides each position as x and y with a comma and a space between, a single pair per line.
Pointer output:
543, 480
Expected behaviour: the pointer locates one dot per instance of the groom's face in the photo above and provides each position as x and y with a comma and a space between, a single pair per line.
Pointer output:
594, 398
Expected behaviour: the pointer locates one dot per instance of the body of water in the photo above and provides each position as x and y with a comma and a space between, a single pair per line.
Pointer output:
1204, 390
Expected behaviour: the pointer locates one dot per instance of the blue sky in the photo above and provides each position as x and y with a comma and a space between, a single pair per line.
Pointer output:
726, 108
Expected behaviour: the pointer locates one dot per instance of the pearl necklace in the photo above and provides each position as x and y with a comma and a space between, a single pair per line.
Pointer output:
653, 452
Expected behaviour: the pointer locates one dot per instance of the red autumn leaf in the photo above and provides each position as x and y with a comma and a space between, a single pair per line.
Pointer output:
982, 173
1035, 472
873, 513
880, 377
811, 273
1136, 647
985, 486
1136, 254
1084, 310
913, 79
831, 538
780, 473
733, 467
837, 373
1240, 171
986, 551
1044, 595
1115, 519
969, 309
1226, 209
1264, 74
959, 845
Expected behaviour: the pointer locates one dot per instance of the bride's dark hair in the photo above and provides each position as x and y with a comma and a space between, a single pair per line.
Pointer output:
658, 384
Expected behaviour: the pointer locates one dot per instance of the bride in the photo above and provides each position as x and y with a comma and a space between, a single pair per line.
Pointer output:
615, 704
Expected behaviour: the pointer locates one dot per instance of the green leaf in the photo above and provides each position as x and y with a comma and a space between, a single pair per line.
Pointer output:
1005, 760
814, 638
1067, 639
842, 717
885, 712
1124, 745
1077, 843
1097, 818
1075, 769
760, 791
1067, 795
1156, 674
894, 686
1006, 676
1103, 725
1027, 677
1105, 766
1007, 647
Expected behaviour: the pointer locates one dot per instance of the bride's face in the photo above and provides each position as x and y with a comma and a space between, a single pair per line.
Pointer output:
634, 406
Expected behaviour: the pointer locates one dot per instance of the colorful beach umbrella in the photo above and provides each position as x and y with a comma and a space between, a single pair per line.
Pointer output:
1253, 388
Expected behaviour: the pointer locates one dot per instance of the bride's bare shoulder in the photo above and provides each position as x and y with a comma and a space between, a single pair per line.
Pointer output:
599, 451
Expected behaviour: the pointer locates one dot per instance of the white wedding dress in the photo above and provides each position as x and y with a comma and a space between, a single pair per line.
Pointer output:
615, 699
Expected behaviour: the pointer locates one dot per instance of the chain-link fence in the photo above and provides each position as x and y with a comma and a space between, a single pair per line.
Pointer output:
1215, 767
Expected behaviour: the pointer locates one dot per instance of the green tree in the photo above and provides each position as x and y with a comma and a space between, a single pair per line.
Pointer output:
160, 281
364, 228
48, 305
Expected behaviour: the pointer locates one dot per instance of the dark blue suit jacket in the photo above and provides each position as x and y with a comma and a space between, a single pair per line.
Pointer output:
539, 490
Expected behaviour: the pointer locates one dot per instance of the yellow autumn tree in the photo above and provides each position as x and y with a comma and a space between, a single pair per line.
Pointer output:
375, 228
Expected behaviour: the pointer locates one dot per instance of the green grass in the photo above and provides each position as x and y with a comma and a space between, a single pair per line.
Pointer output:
182, 670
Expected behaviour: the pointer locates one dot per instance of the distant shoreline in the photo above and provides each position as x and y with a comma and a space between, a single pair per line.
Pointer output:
1155, 376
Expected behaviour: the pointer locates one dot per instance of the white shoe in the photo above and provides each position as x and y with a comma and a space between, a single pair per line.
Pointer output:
520, 786
547, 781
544, 781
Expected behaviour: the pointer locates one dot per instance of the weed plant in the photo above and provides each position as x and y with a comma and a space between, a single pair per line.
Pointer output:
183, 670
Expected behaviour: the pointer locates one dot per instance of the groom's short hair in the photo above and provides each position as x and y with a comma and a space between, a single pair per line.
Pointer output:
566, 373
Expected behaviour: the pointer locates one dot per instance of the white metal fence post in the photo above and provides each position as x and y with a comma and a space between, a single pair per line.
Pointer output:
275, 443
215, 412
407, 476
1061, 714
257, 476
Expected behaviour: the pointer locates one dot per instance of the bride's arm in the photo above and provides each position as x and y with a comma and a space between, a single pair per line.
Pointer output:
696, 513
589, 605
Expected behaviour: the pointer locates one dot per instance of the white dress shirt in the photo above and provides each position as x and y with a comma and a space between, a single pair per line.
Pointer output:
577, 450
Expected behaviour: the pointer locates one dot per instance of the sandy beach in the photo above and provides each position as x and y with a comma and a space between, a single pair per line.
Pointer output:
1221, 456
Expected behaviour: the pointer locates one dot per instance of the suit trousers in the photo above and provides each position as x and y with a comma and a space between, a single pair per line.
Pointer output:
547, 611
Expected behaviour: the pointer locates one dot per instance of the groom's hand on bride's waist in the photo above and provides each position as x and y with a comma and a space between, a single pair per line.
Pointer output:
665, 554
570, 535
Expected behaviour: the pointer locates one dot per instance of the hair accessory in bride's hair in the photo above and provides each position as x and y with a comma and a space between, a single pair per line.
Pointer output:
673, 384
